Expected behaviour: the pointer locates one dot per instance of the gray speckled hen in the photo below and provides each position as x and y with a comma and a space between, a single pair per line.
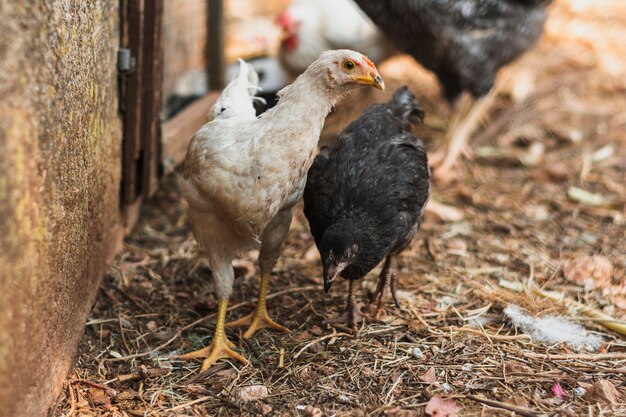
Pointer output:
364, 199
465, 43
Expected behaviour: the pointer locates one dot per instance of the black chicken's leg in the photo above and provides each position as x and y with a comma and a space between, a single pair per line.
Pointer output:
387, 278
353, 312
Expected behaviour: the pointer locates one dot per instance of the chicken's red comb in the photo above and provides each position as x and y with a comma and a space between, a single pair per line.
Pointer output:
284, 20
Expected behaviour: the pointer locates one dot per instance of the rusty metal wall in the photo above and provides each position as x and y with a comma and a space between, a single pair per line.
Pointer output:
60, 142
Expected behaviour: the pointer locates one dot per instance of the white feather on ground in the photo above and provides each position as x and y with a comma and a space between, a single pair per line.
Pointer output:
553, 329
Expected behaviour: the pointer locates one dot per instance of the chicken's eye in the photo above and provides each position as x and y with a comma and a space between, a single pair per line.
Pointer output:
349, 65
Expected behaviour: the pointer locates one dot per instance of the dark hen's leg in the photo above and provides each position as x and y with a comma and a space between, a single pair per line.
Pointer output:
353, 311
467, 116
385, 279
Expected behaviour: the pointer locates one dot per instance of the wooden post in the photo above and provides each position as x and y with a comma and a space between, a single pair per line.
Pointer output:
215, 45
131, 166
151, 91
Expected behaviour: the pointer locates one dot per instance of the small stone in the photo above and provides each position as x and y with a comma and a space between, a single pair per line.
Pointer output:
417, 353
266, 409
252, 392
151, 325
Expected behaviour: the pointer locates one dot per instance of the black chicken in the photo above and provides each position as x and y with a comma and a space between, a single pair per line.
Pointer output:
465, 43
364, 198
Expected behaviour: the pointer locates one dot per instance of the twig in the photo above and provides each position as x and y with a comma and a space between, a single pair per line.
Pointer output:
523, 411
208, 316
72, 401
393, 387
108, 390
484, 333
207, 373
190, 403
119, 322
142, 374
319, 339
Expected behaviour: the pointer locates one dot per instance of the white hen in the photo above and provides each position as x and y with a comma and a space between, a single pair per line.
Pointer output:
313, 26
242, 177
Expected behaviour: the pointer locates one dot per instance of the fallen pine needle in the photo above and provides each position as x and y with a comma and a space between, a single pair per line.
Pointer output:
108, 390
142, 374
484, 333
190, 403
393, 387
522, 411
316, 341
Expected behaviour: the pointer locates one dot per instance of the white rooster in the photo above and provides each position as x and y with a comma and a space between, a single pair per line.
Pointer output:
243, 175
311, 27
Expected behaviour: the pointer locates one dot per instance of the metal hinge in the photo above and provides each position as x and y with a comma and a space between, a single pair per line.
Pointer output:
126, 62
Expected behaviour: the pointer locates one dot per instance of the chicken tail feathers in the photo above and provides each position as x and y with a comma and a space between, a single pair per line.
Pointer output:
406, 107
248, 78
237, 99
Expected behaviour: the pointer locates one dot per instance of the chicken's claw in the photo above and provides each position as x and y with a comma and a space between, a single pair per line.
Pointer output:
259, 318
220, 347
257, 321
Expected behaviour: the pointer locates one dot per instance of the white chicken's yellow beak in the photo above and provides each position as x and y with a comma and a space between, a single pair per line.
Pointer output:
373, 79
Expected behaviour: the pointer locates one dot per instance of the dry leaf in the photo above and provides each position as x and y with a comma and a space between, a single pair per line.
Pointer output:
252, 392
515, 367
603, 392
429, 376
100, 397
437, 407
590, 271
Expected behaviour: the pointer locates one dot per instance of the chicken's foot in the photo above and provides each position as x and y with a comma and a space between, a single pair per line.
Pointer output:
387, 278
220, 347
259, 318
468, 114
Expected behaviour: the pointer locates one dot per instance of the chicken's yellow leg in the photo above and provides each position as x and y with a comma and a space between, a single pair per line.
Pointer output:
259, 318
220, 347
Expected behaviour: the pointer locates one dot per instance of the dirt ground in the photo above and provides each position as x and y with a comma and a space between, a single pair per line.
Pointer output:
545, 186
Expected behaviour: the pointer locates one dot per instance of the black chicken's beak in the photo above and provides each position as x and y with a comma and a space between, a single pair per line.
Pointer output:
330, 274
